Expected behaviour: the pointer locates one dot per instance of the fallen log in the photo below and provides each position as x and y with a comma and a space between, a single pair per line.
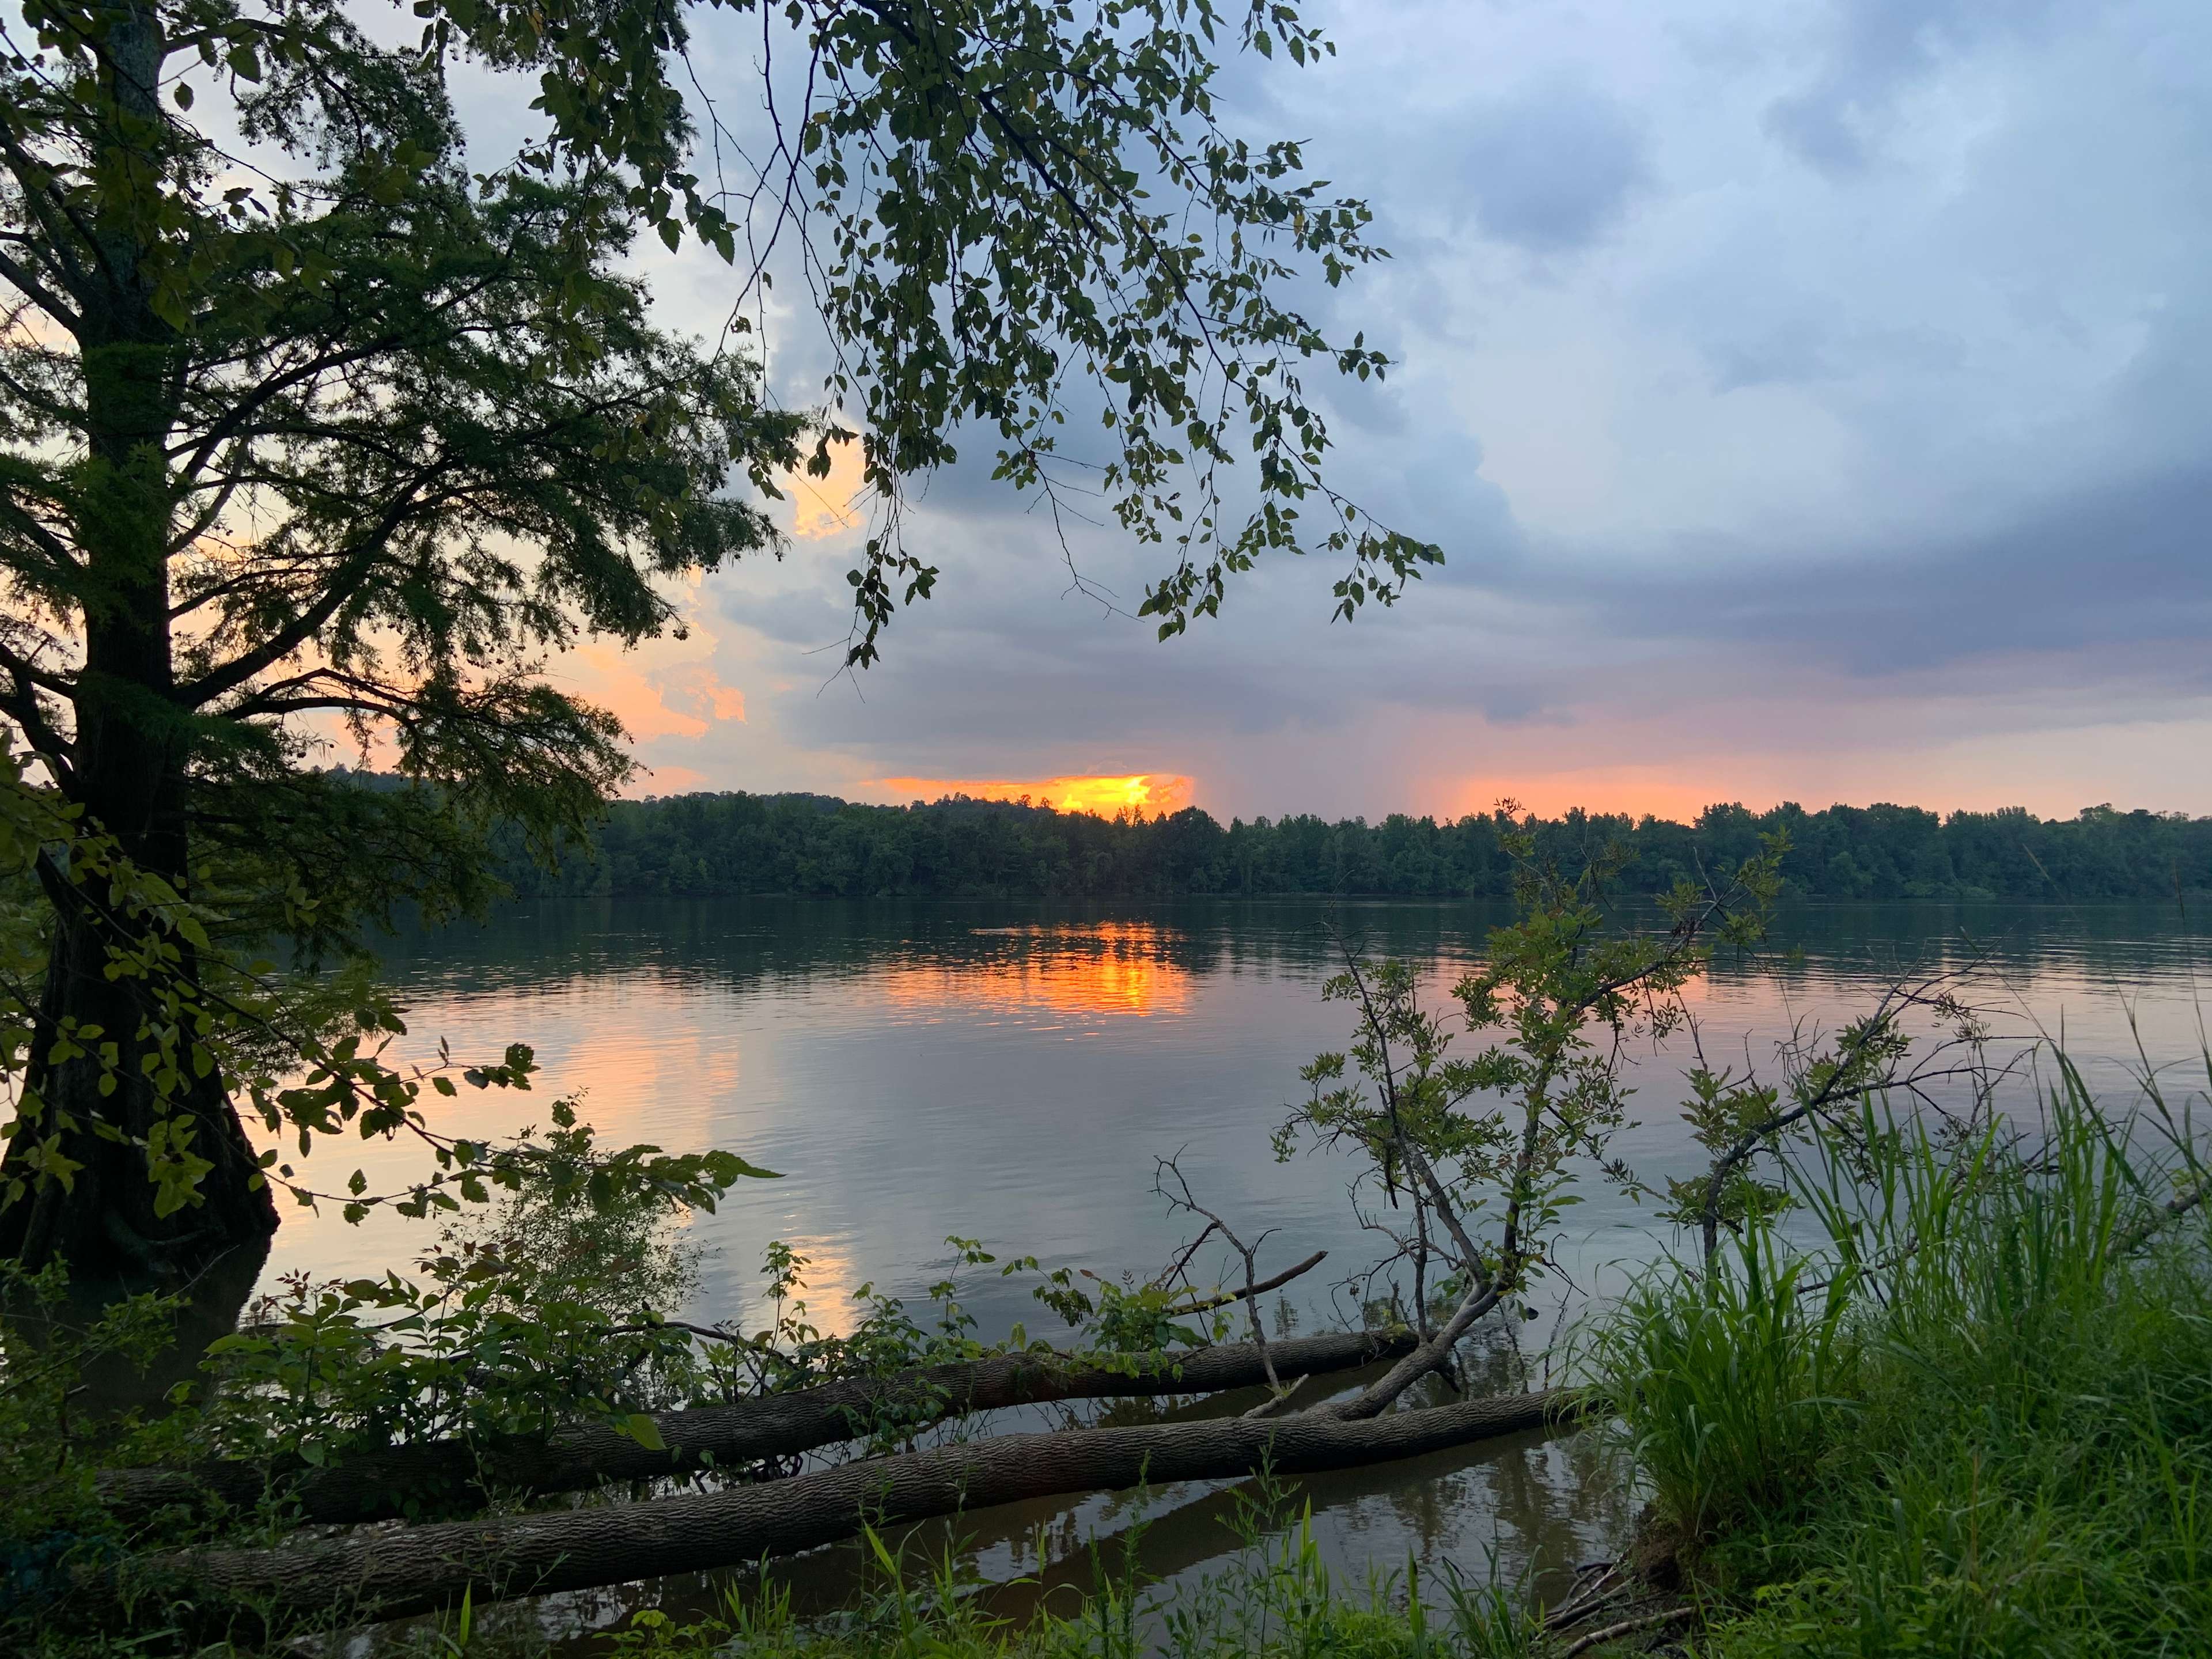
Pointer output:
390, 1573
395, 1481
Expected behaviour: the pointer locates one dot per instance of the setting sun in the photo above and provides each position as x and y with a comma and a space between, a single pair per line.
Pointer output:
1140, 792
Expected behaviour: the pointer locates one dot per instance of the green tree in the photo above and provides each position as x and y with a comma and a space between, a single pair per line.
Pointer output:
311, 414
1487, 1151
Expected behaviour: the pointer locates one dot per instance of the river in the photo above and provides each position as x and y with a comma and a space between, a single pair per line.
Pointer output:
1011, 1071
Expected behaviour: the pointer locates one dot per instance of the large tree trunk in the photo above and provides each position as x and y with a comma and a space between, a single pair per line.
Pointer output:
125, 766
388, 1573
438, 1473
104, 1223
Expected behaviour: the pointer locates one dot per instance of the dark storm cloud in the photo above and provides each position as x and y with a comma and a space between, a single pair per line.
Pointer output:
996, 670
1844, 351
1549, 168
2120, 575
2112, 585
1434, 489
1871, 52
806, 617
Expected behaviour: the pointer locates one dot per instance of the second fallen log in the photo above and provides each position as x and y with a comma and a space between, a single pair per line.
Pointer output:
410, 1569
391, 1481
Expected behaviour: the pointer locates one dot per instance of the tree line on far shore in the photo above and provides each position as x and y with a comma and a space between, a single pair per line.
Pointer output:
703, 845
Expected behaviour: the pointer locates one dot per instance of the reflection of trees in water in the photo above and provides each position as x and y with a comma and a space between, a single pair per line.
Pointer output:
1533, 1503
743, 943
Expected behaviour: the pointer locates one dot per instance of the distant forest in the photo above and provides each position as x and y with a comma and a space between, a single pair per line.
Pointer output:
712, 844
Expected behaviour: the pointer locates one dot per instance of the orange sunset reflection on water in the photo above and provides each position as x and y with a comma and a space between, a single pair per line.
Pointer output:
1081, 972
648, 1057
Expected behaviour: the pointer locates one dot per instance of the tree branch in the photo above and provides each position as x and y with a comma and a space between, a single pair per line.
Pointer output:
22, 277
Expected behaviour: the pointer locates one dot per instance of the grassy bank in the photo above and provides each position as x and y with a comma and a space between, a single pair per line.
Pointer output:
1975, 1418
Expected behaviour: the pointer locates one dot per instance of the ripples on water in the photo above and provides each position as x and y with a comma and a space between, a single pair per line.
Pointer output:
1010, 1072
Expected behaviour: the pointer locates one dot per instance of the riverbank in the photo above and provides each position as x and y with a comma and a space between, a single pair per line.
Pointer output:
1973, 1417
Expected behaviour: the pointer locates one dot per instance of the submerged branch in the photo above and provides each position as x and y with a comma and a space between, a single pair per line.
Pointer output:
413, 1569
2136, 1236
1428, 1356
396, 1480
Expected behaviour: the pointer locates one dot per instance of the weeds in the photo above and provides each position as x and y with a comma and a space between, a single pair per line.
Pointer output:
1276, 1599
1972, 1416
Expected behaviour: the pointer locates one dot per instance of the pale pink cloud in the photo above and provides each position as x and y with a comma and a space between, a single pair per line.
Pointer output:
651, 696
664, 781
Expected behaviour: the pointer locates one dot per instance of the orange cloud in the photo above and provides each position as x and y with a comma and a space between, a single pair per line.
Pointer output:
609, 679
821, 507
1142, 792
664, 781
680, 700
692, 689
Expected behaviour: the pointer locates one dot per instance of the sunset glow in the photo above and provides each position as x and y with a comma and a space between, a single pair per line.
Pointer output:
1139, 792
823, 508
666, 689
1633, 790
1111, 968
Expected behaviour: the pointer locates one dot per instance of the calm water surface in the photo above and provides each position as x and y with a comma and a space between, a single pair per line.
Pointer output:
1010, 1072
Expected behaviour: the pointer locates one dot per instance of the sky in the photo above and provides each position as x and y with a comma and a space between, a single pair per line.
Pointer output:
1814, 402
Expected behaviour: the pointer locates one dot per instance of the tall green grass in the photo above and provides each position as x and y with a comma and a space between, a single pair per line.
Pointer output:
1971, 1414
1276, 1599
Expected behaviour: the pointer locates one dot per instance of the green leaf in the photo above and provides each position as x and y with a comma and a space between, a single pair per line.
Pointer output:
726, 1167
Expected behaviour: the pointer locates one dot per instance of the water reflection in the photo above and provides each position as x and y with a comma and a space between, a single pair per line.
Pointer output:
742, 942
1081, 972
1008, 1071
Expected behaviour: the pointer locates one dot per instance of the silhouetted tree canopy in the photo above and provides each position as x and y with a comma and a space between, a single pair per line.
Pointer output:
314, 414
709, 844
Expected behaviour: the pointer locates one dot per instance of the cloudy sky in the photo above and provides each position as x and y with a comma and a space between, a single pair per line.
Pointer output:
1814, 401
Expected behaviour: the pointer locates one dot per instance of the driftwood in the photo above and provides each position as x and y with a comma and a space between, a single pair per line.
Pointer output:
391, 1481
1222, 1299
388, 1573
